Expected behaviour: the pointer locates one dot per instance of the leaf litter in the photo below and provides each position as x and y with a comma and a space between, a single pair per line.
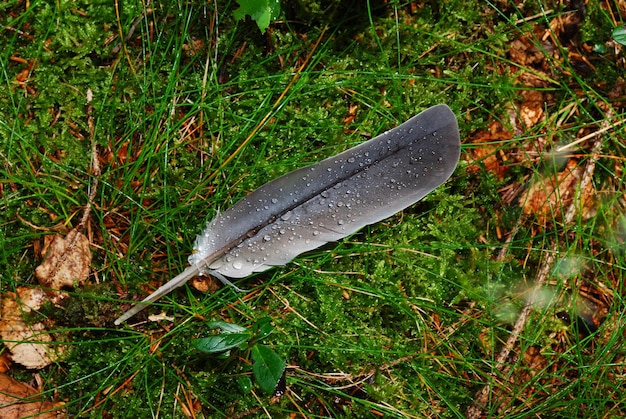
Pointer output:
19, 400
560, 192
66, 264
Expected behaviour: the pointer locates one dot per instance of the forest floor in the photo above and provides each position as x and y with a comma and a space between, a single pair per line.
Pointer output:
125, 127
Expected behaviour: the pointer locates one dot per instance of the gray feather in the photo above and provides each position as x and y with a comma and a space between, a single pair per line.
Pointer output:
327, 201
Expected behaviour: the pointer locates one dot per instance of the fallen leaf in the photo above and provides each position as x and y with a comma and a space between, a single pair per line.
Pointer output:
5, 362
531, 109
66, 261
29, 343
488, 150
549, 196
19, 400
204, 284
66, 264
524, 50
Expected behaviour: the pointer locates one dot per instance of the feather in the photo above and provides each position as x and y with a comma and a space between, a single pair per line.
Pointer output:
327, 201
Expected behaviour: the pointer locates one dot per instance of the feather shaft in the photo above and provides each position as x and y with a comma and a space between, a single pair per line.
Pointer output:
179, 280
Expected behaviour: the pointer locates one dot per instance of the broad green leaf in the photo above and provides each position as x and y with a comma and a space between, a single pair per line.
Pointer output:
221, 343
226, 327
263, 327
261, 11
619, 35
267, 367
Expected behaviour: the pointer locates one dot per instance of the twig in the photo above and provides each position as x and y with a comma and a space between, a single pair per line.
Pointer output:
476, 409
74, 235
95, 163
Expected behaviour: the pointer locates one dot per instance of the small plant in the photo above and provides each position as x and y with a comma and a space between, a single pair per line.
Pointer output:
619, 34
261, 11
267, 367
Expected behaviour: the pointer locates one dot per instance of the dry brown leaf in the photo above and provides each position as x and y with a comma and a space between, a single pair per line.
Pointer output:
29, 343
5, 362
535, 71
204, 284
549, 196
525, 51
531, 109
67, 261
66, 264
489, 151
19, 400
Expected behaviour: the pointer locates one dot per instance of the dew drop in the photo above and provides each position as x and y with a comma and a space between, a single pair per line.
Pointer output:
237, 264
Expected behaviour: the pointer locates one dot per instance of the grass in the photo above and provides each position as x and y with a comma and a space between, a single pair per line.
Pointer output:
406, 318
